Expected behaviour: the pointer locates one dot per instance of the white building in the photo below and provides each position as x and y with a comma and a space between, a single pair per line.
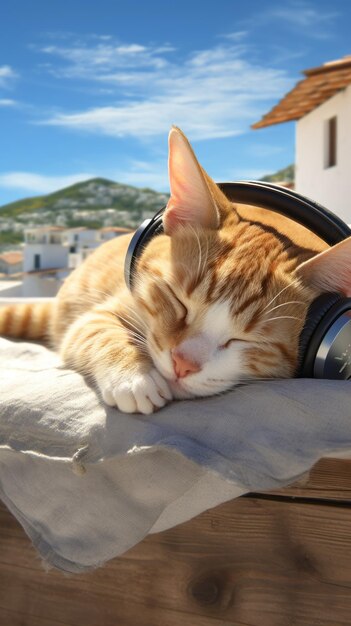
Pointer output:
44, 249
80, 242
321, 104
77, 238
51, 252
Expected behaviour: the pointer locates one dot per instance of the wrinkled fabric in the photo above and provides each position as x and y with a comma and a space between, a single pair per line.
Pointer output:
88, 482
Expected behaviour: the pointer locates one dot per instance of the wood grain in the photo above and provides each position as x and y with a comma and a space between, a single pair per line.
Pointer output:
249, 562
329, 479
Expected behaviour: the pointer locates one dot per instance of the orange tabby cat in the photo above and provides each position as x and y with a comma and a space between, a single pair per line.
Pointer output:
220, 298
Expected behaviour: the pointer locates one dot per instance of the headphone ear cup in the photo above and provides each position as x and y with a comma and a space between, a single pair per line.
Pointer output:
316, 312
146, 231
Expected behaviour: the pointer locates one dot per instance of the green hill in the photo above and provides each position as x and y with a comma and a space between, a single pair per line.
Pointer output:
99, 193
94, 194
287, 174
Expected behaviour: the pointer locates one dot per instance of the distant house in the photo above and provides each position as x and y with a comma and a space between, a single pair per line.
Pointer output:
11, 262
52, 252
45, 261
44, 248
80, 242
82, 237
321, 105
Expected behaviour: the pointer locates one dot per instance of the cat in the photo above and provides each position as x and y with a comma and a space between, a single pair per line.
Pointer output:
218, 299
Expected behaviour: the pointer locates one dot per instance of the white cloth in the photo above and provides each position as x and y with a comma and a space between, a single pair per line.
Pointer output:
87, 482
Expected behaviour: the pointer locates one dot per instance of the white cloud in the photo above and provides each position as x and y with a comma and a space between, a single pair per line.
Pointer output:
39, 183
248, 174
7, 74
137, 173
96, 62
7, 102
310, 20
303, 15
236, 35
144, 174
210, 94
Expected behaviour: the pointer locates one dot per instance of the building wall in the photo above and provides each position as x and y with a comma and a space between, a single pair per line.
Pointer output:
36, 286
51, 256
76, 258
83, 238
331, 186
7, 268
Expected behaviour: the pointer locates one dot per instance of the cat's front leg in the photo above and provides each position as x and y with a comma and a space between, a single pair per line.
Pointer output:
98, 345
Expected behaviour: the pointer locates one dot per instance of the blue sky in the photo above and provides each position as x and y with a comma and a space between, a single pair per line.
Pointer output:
91, 88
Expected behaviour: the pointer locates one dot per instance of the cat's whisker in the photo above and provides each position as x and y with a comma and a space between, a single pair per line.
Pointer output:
199, 266
284, 304
138, 342
242, 381
283, 317
100, 292
136, 335
293, 283
134, 313
255, 378
128, 322
140, 347
220, 380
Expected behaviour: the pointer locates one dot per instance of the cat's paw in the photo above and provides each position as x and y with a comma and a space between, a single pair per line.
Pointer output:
140, 393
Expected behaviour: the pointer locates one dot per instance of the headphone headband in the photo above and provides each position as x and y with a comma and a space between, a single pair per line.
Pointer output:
306, 212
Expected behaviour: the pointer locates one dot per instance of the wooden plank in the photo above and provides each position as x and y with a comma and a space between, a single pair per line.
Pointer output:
11, 618
328, 479
248, 562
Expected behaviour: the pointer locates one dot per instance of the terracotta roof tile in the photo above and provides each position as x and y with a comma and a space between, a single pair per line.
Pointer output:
45, 228
320, 84
12, 258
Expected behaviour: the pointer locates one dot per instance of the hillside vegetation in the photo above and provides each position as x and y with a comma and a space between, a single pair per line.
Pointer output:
100, 193
94, 195
287, 174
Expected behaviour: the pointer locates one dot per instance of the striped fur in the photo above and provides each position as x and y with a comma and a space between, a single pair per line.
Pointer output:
27, 320
219, 299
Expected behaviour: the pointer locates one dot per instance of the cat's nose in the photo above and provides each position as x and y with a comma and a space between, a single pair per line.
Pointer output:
182, 365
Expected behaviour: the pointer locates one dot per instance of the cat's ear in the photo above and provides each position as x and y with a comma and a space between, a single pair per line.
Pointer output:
330, 270
193, 194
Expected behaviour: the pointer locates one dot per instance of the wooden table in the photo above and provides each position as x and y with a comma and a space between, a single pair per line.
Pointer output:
277, 559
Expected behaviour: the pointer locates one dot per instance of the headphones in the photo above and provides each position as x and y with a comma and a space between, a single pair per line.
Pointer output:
325, 340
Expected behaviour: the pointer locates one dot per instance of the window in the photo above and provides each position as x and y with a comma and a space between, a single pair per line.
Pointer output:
55, 238
37, 262
330, 142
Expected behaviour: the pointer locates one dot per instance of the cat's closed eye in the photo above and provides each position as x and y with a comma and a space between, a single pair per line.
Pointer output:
228, 343
180, 307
